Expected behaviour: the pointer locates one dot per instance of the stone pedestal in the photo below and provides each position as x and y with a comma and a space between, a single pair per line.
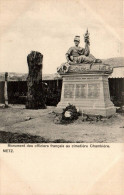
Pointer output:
87, 88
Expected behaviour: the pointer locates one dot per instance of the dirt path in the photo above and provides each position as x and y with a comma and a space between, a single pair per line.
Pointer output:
40, 123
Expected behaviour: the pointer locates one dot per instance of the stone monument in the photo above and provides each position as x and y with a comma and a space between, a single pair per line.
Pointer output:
85, 81
35, 96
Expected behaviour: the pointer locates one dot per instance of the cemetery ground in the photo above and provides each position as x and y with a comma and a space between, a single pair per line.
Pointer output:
20, 125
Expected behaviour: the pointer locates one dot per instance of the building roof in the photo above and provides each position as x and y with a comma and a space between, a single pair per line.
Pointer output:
118, 67
117, 72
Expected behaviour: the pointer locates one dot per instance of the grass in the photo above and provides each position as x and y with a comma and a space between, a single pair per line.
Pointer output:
8, 137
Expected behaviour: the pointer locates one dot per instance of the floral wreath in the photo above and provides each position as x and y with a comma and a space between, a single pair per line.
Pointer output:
69, 114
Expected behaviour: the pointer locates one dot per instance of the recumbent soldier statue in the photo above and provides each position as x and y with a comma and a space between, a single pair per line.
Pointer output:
77, 55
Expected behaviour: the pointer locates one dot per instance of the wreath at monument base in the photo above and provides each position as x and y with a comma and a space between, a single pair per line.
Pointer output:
69, 114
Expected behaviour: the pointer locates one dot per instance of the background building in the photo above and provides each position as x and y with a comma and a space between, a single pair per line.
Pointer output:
17, 85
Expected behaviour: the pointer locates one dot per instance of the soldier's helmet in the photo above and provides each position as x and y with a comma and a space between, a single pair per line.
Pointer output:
77, 38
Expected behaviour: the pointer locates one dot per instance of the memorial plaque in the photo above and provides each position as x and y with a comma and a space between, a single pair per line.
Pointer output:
93, 90
81, 91
68, 90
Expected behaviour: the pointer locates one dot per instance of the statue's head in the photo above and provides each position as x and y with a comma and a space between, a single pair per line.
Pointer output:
77, 40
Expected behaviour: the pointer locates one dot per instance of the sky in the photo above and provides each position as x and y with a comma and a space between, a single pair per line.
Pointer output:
49, 26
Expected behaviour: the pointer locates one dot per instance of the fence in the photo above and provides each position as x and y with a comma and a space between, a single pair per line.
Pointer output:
17, 91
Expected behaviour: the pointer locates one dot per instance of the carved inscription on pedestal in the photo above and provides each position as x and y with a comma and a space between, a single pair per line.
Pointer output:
94, 90
69, 91
80, 91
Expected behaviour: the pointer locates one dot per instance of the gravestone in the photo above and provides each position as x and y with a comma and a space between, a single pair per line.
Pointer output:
35, 96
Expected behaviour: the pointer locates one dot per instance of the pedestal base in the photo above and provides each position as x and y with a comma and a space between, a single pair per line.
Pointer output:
88, 92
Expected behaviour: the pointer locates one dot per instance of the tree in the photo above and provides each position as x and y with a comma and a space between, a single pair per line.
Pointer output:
35, 96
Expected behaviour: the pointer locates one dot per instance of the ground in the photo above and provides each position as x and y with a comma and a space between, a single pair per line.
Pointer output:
18, 124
